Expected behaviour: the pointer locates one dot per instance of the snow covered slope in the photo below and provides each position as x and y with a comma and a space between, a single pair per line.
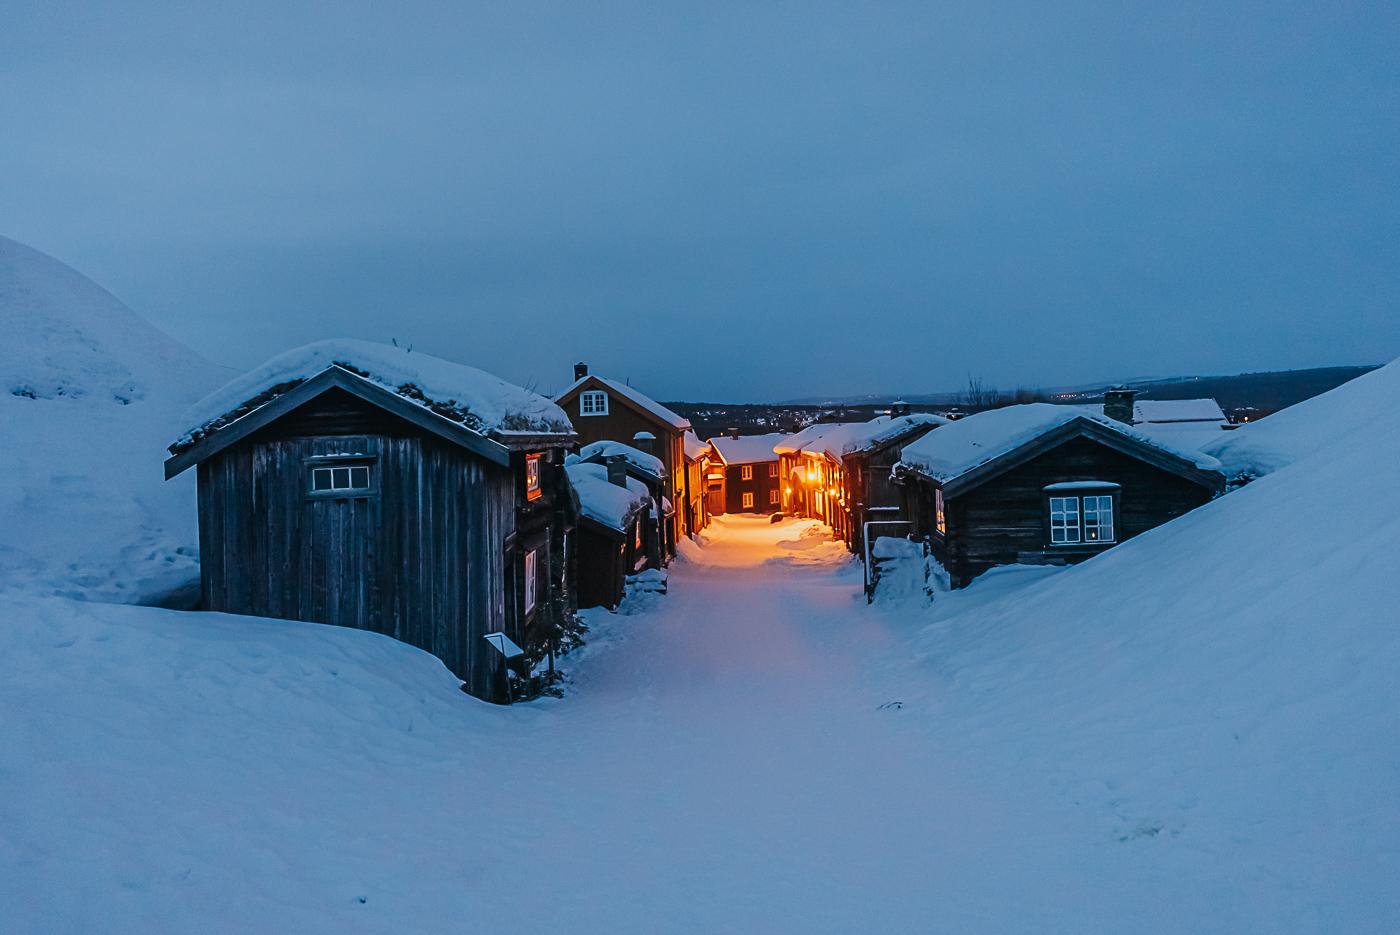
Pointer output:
1225, 684
90, 395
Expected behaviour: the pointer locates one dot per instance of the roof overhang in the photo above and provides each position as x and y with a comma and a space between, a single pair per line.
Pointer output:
1077, 428
498, 452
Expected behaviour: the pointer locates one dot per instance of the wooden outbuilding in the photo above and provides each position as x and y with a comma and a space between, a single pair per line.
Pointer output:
610, 410
1044, 484
748, 466
646, 469
614, 510
366, 486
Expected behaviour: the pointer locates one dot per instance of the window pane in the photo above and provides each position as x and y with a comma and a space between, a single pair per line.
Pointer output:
321, 479
342, 478
360, 477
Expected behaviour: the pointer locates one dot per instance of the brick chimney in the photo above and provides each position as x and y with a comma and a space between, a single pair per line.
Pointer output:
617, 470
644, 441
580, 371
1118, 404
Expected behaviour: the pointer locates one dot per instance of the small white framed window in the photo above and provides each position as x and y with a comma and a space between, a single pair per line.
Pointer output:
773, 496
940, 517
593, 403
531, 568
746, 472
1064, 520
748, 501
773, 469
338, 480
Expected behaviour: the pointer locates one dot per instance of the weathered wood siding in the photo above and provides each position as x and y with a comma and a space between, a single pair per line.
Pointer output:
1005, 520
760, 485
422, 559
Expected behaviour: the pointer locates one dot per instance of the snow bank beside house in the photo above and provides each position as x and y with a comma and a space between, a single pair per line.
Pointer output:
89, 395
1366, 406
1221, 688
606, 449
601, 500
479, 400
961, 446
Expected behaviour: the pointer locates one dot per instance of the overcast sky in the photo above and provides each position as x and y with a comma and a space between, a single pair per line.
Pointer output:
754, 201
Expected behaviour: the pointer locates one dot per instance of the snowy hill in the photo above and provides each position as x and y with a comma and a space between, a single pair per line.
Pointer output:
1227, 681
89, 394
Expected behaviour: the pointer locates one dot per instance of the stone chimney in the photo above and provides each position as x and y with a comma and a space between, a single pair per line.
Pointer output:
580, 371
734, 431
899, 408
617, 470
644, 441
1118, 404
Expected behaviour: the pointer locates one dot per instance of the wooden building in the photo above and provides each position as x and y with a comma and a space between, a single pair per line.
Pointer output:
1044, 484
355, 484
614, 511
801, 477
657, 546
697, 467
748, 466
609, 410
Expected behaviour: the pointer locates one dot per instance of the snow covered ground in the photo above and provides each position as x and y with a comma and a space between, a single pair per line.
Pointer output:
756, 751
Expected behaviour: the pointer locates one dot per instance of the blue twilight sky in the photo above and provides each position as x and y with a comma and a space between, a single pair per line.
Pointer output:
726, 201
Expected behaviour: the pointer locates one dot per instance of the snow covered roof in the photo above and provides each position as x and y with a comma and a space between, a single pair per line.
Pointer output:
632, 395
603, 501
851, 437
695, 449
747, 449
795, 442
1177, 410
962, 446
597, 451
463, 395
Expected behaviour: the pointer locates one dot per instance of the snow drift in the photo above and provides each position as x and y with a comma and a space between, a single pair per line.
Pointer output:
1226, 681
89, 395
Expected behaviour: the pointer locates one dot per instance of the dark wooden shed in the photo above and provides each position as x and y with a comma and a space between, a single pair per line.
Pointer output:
345, 499
1041, 484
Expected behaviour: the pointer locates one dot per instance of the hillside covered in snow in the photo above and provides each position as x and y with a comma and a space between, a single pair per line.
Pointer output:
90, 395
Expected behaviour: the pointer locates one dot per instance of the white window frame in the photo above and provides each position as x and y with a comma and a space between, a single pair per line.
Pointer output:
746, 472
354, 479
940, 513
748, 500
773, 469
531, 580
1065, 521
593, 403
773, 499
1100, 506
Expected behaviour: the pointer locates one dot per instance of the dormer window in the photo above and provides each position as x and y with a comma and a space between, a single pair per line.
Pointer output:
532, 477
593, 403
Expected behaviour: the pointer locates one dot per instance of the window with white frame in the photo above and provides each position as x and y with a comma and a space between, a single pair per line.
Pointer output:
334, 480
773, 469
940, 518
1098, 518
531, 569
593, 403
773, 496
746, 472
748, 501
1064, 520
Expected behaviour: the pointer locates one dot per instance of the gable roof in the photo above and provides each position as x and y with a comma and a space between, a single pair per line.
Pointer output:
1177, 410
799, 439
853, 437
636, 398
461, 404
603, 501
746, 449
695, 449
597, 452
970, 451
